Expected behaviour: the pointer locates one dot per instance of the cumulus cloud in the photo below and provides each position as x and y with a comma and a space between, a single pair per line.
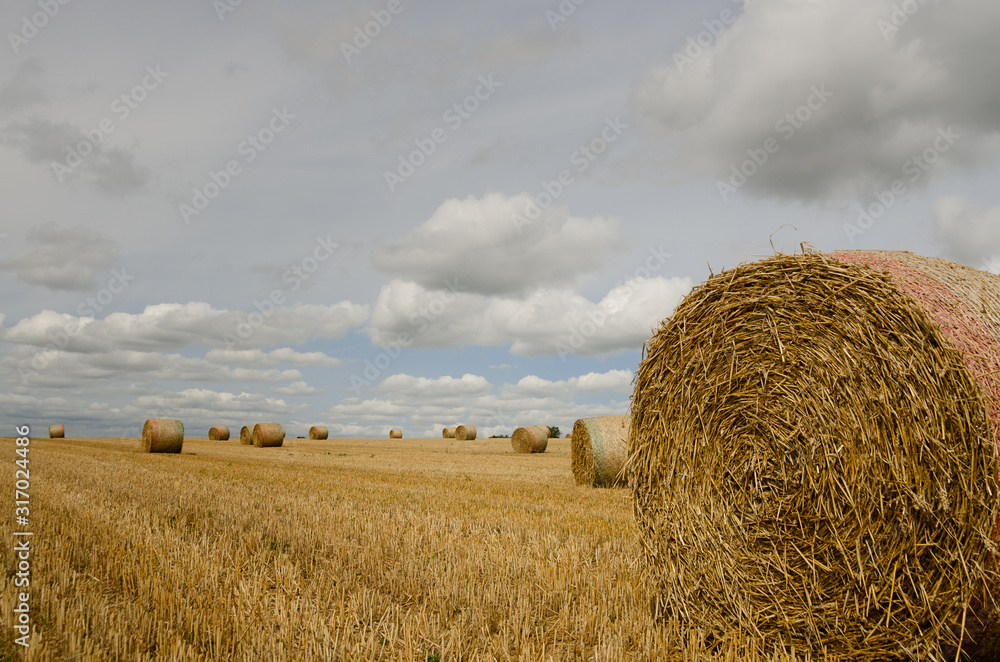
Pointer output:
555, 322
969, 233
879, 94
62, 258
22, 91
255, 357
475, 244
297, 388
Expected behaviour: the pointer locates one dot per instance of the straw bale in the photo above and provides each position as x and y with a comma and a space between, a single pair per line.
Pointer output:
448, 433
395, 433
465, 432
268, 435
246, 436
814, 456
532, 439
162, 435
57, 431
318, 432
599, 450
218, 433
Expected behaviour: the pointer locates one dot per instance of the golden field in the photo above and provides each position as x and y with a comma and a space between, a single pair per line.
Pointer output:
412, 549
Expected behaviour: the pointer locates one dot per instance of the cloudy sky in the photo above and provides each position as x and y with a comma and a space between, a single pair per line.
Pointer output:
394, 213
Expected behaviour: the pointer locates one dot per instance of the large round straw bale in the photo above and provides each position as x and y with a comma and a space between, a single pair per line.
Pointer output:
395, 433
268, 435
465, 432
57, 432
448, 433
246, 436
218, 433
532, 439
814, 456
318, 432
162, 435
569, 435
599, 450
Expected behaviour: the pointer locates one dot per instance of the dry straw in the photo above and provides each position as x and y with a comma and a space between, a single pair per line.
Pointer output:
268, 435
218, 433
599, 450
318, 432
162, 435
246, 436
448, 433
57, 432
813, 456
531, 439
465, 432
395, 433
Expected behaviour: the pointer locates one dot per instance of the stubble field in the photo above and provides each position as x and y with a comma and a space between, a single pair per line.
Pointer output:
413, 549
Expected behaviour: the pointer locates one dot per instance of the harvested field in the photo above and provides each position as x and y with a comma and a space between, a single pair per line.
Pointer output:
382, 550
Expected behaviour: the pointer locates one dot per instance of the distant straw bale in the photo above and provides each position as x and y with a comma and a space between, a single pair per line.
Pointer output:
268, 435
57, 431
246, 437
218, 433
448, 433
318, 432
813, 456
465, 432
395, 433
162, 435
599, 450
533, 439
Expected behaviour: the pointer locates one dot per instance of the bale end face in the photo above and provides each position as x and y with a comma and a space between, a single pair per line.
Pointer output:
246, 436
465, 432
533, 439
162, 435
318, 432
268, 435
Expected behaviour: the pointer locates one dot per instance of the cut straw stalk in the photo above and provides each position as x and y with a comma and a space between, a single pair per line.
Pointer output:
465, 432
218, 433
813, 456
599, 450
395, 433
246, 436
268, 435
532, 439
318, 432
57, 432
162, 435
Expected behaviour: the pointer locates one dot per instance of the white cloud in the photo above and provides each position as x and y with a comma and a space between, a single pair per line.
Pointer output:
474, 245
297, 388
891, 93
969, 233
63, 258
258, 358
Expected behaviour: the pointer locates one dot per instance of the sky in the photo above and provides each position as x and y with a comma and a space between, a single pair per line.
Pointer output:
398, 213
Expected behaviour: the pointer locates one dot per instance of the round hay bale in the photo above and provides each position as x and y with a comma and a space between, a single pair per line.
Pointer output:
246, 436
218, 433
318, 432
814, 456
599, 450
57, 432
465, 432
531, 439
396, 434
162, 435
569, 435
448, 433
268, 435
